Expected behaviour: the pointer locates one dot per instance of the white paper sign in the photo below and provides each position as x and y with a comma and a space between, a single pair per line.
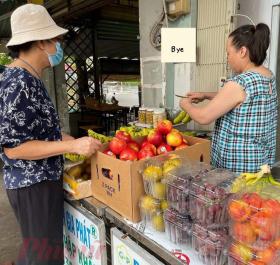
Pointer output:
82, 241
178, 45
130, 253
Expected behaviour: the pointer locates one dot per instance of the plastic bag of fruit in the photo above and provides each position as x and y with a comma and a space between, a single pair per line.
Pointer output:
209, 196
240, 254
156, 170
255, 216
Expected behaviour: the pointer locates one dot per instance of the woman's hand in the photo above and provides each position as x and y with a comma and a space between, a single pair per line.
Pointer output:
85, 146
196, 97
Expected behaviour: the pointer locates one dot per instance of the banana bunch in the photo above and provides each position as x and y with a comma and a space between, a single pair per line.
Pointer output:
182, 117
75, 157
135, 131
102, 138
258, 180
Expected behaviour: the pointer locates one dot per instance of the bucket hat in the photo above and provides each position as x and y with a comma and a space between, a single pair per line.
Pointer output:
32, 22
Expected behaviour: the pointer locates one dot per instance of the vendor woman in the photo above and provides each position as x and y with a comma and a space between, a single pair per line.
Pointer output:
245, 109
31, 142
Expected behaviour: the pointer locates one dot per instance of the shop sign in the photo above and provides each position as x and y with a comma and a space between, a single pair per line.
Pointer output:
82, 243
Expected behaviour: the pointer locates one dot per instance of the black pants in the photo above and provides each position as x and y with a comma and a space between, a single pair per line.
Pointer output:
39, 211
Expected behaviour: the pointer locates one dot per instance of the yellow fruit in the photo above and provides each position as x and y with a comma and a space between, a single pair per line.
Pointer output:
75, 171
170, 165
159, 190
164, 205
152, 173
158, 222
149, 204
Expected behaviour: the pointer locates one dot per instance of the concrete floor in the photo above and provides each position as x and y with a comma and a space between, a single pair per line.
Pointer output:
10, 238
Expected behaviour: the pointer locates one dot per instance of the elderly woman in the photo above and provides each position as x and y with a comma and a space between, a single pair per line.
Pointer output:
31, 142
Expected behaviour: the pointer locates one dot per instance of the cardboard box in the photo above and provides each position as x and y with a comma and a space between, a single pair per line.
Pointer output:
78, 190
119, 184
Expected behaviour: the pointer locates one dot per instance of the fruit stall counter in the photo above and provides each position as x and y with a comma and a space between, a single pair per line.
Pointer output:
154, 242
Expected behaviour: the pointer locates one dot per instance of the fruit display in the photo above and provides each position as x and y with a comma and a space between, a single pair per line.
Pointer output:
177, 227
210, 245
126, 146
178, 184
240, 254
209, 196
255, 216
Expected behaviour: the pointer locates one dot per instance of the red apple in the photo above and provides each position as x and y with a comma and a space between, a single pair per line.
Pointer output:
174, 138
145, 153
128, 154
123, 136
155, 138
182, 145
244, 233
133, 145
239, 210
117, 145
164, 127
253, 200
109, 153
151, 147
163, 149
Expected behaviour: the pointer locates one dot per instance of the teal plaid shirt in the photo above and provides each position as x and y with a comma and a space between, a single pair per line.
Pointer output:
245, 138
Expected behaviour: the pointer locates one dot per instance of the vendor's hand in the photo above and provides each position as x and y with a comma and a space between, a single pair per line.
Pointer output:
184, 102
196, 97
86, 146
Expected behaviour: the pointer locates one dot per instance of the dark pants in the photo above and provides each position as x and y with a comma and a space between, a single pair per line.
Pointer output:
39, 211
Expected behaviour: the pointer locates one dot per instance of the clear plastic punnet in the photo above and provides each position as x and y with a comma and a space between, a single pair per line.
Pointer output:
255, 216
177, 227
178, 185
240, 254
148, 205
209, 196
210, 245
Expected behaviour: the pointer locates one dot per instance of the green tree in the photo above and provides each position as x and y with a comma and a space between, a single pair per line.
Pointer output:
5, 59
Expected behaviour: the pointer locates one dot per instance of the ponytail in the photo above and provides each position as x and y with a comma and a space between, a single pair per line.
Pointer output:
255, 39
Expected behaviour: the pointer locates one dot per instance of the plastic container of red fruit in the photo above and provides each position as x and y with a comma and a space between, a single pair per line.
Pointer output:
210, 245
255, 217
209, 196
240, 254
178, 227
178, 185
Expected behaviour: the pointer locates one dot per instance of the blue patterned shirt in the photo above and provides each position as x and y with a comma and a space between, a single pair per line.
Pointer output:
26, 113
245, 138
